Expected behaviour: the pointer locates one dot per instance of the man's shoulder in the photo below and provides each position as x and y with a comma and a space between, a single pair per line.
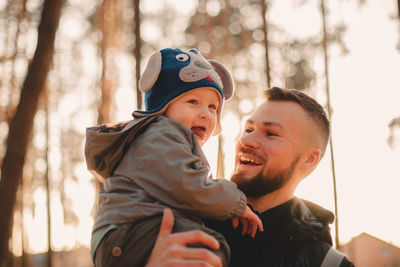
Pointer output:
320, 253
335, 258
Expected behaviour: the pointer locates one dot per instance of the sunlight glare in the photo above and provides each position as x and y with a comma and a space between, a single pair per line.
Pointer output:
150, 31
190, 6
17, 235
73, 25
246, 106
62, 235
213, 7
90, 57
3, 4
294, 22
36, 223
231, 128
69, 104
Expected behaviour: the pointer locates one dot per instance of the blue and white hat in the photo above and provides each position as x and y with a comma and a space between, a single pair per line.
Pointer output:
171, 72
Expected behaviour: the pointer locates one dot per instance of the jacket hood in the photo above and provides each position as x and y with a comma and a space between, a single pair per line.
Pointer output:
311, 218
106, 144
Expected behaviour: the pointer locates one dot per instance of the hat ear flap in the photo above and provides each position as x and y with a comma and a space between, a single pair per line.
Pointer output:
226, 78
150, 74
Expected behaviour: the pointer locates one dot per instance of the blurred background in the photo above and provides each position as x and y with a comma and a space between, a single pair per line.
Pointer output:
69, 64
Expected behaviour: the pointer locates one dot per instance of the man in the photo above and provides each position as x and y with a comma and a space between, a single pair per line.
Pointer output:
281, 144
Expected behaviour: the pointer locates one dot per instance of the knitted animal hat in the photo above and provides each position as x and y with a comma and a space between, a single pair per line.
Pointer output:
171, 72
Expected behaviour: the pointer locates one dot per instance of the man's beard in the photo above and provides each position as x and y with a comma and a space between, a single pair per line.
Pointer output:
260, 185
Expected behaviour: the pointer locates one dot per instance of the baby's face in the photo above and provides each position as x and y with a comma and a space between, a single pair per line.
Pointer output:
197, 110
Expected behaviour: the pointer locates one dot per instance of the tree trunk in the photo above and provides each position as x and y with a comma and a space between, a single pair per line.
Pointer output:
138, 46
20, 130
107, 20
398, 9
221, 159
264, 10
47, 183
326, 64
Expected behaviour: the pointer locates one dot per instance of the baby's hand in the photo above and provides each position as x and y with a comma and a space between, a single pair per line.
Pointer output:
250, 221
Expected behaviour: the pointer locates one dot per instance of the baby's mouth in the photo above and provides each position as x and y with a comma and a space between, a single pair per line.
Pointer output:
199, 131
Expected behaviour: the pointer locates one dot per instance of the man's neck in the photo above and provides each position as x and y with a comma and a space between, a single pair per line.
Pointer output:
270, 200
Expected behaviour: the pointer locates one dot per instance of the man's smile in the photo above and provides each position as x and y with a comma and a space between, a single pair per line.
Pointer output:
249, 161
249, 164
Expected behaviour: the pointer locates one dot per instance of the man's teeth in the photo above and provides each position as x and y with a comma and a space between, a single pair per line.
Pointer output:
249, 160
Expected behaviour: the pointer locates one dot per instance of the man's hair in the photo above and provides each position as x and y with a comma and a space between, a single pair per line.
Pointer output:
310, 105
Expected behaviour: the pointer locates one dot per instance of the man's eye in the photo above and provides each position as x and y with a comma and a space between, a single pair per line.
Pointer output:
269, 133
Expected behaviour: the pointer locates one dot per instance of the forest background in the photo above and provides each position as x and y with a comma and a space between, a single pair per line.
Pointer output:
69, 64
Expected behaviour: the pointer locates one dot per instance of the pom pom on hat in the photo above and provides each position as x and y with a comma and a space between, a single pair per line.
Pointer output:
171, 72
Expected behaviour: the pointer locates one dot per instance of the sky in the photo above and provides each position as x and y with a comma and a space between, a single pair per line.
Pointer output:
365, 96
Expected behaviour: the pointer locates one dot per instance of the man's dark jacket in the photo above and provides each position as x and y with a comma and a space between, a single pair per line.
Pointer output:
296, 234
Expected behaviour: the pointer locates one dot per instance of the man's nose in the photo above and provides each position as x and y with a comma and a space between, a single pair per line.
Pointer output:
249, 140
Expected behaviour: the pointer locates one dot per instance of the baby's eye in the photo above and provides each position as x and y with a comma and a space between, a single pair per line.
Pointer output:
212, 106
193, 101
248, 130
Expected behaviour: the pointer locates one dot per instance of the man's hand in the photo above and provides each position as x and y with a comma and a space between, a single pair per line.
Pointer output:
171, 250
250, 222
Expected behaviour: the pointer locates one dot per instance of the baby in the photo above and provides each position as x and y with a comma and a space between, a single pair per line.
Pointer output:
156, 161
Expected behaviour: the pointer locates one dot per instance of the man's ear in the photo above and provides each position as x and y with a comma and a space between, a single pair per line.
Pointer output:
312, 159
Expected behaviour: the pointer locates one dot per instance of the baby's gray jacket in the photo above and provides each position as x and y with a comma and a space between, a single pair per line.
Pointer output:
151, 163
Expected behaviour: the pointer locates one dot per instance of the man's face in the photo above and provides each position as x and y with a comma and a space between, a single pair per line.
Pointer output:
270, 147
